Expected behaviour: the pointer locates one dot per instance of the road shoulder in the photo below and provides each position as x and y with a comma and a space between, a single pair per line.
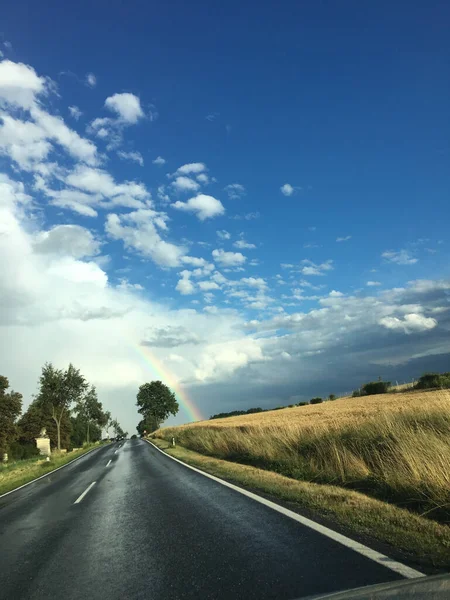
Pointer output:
418, 542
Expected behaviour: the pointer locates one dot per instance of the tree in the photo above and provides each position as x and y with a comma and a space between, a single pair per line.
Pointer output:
375, 387
90, 411
316, 400
156, 402
60, 389
331, 397
118, 431
107, 424
10, 409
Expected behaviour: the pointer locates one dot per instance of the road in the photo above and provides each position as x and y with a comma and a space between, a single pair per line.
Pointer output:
152, 528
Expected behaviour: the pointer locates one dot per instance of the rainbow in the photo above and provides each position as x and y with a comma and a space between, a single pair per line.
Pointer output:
163, 374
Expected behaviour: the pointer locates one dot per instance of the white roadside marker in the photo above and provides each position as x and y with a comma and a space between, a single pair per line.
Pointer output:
80, 498
377, 557
109, 462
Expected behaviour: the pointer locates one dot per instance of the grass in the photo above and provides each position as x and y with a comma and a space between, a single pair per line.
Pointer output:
394, 447
18, 473
423, 541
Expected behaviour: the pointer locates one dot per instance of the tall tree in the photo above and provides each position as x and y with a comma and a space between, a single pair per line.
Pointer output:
90, 411
60, 389
10, 409
156, 402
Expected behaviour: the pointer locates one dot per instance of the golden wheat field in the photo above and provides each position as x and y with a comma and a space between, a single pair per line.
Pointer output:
394, 446
338, 412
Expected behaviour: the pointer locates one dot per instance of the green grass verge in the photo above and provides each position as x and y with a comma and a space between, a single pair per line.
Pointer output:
423, 541
20, 472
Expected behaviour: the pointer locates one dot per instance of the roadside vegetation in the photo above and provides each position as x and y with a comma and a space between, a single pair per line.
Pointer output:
17, 473
66, 406
424, 542
394, 447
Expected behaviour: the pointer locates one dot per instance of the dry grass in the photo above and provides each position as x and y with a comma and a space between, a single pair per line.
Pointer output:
422, 540
393, 446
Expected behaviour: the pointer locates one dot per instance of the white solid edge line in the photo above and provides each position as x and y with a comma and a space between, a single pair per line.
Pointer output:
378, 557
80, 498
49, 473
109, 462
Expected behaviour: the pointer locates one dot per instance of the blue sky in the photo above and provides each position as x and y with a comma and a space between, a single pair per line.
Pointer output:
300, 203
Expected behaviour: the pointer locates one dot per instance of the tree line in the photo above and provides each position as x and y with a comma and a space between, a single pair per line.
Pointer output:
66, 405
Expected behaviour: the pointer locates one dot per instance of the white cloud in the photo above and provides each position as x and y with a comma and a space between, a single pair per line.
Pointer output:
191, 168
228, 259
185, 184
402, 257
223, 359
70, 240
205, 207
133, 156
235, 191
127, 106
139, 231
243, 245
75, 112
287, 189
373, 283
344, 239
206, 286
311, 268
411, 323
91, 80
335, 294
203, 178
98, 181
223, 234
55, 129
19, 84
185, 286
159, 161
23, 141
161, 193
256, 282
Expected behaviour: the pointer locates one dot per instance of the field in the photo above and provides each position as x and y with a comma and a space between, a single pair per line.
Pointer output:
394, 447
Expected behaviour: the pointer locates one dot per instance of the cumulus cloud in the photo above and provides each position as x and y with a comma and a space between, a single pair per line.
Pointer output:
401, 257
287, 189
159, 161
411, 323
70, 240
185, 184
19, 84
191, 169
207, 286
243, 245
203, 206
228, 259
139, 230
373, 283
127, 106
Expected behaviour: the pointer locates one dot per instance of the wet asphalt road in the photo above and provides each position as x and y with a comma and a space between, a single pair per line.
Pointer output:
151, 528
